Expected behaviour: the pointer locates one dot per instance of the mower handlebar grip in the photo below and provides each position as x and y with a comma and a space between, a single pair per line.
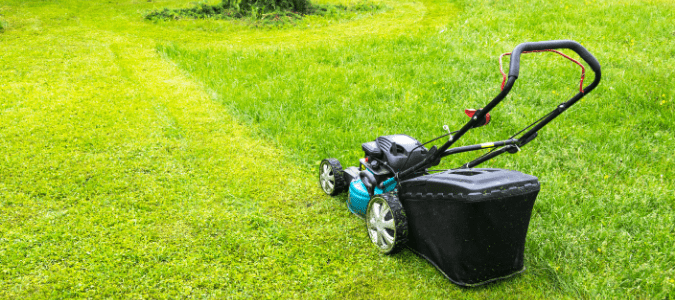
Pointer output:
514, 66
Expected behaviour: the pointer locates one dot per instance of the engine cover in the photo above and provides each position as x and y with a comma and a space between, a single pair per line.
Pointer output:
400, 151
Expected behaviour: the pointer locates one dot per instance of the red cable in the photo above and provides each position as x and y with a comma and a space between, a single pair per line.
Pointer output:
583, 70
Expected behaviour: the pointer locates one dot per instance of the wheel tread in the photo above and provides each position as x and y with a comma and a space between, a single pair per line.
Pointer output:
400, 221
338, 174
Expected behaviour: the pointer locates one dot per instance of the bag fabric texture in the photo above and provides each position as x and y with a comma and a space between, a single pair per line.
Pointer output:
471, 224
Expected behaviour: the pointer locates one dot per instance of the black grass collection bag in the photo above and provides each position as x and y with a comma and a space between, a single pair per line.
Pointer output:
470, 224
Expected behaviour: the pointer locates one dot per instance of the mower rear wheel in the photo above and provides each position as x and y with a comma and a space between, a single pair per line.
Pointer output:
386, 223
331, 178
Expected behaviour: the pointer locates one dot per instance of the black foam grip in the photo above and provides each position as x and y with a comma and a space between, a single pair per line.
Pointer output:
514, 67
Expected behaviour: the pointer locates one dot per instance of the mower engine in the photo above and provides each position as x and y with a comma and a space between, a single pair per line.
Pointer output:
384, 157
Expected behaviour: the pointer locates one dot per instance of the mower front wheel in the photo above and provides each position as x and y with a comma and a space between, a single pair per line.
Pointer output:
387, 223
331, 178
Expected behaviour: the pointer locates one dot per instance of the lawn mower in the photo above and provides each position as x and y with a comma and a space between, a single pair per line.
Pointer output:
470, 223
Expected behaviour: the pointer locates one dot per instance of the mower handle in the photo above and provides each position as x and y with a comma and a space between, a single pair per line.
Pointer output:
514, 66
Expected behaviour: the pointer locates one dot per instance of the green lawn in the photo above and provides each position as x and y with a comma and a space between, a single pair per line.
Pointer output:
177, 159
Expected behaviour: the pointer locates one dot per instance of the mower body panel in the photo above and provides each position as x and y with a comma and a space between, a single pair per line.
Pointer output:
358, 198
